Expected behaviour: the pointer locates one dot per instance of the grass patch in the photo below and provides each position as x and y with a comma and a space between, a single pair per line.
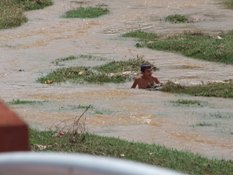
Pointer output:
86, 12
187, 102
12, 11
34, 4
113, 72
121, 66
221, 115
224, 90
11, 14
141, 35
191, 44
151, 154
177, 18
228, 3
202, 124
70, 58
23, 102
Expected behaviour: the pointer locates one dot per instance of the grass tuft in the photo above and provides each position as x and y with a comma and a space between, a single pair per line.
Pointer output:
152, 154
12, 11
228, 3
113, 72
176, 18
34, 4
23, 102
187, 102
195, 45
11, 14
224, 90
86, 12
141, 35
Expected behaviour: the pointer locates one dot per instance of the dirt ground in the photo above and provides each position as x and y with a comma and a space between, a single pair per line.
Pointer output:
27, 52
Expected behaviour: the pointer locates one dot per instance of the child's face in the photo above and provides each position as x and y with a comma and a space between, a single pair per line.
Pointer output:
148, 72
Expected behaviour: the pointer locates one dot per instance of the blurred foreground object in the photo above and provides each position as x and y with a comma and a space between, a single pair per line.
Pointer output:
41, 163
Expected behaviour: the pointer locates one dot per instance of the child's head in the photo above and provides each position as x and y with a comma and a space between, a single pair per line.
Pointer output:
146, 69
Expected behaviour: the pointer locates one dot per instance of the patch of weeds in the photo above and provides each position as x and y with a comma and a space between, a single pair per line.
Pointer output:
70, 58
77, 74
224, 90
112, 147
34, 4
141, 35
202, 124
11, 14
221, 115
113, 72
103, 111
187, 102
228, 3
105, 78
23, 102
122, 66
86, 12
191, 44
177, 18
11, 11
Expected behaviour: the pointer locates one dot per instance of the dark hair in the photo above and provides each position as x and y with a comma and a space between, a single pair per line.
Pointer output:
145, 66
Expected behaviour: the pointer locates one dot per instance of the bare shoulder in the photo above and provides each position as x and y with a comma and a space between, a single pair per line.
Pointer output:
138, 77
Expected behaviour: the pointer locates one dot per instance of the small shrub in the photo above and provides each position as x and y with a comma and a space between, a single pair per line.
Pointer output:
176, 18
86, 12
228, 3
11, 14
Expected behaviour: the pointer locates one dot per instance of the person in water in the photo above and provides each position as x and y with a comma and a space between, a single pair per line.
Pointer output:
146, 79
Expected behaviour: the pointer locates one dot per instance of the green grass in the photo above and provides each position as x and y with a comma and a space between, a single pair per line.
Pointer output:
203, 124
80, 57
187, 102
141, 35
191, 44
177, 18
221, 115
12, 11
112, 72
11, 14
224, 90
111, 147
34, 4
23, 102
86, 12
228, 3
121, 66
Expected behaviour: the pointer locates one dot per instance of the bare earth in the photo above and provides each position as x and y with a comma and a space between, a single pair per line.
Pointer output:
27, 52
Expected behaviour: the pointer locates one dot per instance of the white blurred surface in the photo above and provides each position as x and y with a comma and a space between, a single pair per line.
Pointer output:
29, 163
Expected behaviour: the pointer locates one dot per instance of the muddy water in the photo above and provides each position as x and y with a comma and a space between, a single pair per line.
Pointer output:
27, 52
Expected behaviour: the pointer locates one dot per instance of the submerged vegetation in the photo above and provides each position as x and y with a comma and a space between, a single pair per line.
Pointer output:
192, 44
177, 18
224, 90
23, 102
228, 3
115, 72
187, 102
86, 12
12, 11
